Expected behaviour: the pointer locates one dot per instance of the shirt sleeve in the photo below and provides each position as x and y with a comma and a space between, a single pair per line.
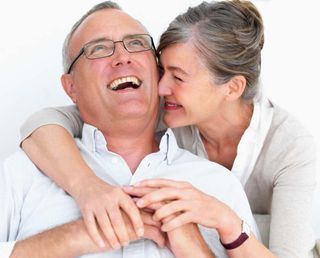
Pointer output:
6, 205
6, 249
66, 116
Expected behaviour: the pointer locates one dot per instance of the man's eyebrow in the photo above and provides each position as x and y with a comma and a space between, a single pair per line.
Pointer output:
104, 38
97, 40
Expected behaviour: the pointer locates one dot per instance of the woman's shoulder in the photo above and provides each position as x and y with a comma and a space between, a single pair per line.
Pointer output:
286, 126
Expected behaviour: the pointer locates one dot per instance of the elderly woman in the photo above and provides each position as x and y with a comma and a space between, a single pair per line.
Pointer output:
210, 58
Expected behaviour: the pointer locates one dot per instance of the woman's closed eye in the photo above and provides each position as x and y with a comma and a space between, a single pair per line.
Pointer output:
177, 78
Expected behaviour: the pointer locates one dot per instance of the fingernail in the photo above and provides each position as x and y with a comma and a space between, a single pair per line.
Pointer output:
101, 244
140, 232
140, 203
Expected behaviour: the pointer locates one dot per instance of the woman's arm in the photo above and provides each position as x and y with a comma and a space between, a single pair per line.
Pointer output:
295, 176
194, 206
54, 151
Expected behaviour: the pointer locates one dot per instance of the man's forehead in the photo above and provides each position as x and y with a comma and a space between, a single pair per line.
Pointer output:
110, 23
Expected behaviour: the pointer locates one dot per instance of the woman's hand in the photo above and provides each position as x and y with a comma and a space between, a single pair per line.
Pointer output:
184, 204
101, 205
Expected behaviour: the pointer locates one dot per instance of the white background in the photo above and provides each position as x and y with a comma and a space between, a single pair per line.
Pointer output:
32, 33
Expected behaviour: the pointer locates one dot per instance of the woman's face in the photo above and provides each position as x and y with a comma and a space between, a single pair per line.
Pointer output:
190, 95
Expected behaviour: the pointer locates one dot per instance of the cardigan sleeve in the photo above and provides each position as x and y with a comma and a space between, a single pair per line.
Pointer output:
291, 233
66, 116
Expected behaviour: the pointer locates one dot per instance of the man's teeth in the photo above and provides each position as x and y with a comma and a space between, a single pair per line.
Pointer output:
132, 79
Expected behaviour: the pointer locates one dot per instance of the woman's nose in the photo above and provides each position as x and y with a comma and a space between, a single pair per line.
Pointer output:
163, 88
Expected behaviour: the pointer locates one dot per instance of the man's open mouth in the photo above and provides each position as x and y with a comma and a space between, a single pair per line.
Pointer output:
124, 83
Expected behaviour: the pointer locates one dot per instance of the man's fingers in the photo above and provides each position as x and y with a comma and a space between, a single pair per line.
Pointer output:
91, 226
148, 219
154, 234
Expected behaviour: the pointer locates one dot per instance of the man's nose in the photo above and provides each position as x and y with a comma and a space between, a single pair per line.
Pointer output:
121, 55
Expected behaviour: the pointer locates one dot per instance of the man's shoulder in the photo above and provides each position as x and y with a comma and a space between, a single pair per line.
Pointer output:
18, 158
204, 172
19, 167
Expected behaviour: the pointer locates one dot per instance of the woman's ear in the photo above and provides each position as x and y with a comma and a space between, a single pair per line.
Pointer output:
236, 87
69, 88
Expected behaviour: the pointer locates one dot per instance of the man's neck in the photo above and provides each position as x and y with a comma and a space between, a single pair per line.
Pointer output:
132, 141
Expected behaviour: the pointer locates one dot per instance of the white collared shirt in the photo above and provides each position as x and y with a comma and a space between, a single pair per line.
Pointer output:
30, 202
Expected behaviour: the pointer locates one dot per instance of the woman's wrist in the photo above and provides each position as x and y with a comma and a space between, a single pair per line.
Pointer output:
84, 179
230, 227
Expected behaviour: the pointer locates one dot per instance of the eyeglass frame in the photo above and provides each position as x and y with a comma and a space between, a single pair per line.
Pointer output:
82, 50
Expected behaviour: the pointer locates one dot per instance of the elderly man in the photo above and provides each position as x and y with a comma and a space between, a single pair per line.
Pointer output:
112, 78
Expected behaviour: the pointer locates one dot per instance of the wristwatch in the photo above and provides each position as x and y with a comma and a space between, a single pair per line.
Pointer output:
245, 233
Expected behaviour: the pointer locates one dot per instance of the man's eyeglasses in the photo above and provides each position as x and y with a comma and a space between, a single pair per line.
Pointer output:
105, 47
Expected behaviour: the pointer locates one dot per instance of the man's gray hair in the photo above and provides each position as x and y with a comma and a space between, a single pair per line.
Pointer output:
66, 60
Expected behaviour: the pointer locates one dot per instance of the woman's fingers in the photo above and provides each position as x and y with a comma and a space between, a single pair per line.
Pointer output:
163, 194
118, 225
138, 191
177, 221
130, 208
107, 230
90, 222
170, 209
161, 182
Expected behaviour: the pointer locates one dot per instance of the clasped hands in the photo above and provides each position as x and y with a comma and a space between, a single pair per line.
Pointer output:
162, 210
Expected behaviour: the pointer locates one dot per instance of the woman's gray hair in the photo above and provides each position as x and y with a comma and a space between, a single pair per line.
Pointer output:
228, 36
65, 50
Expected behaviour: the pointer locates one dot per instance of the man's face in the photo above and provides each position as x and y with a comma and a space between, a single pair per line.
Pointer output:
89, 83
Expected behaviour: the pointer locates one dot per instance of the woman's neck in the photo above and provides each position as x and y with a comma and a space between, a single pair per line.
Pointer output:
221, 135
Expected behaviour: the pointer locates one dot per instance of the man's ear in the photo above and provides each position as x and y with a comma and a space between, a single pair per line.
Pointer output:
236, 87
69, 88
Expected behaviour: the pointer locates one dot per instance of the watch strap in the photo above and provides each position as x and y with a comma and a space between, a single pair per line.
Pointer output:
239, 241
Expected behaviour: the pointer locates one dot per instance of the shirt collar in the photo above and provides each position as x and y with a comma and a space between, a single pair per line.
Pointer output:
94, 140
168, 145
